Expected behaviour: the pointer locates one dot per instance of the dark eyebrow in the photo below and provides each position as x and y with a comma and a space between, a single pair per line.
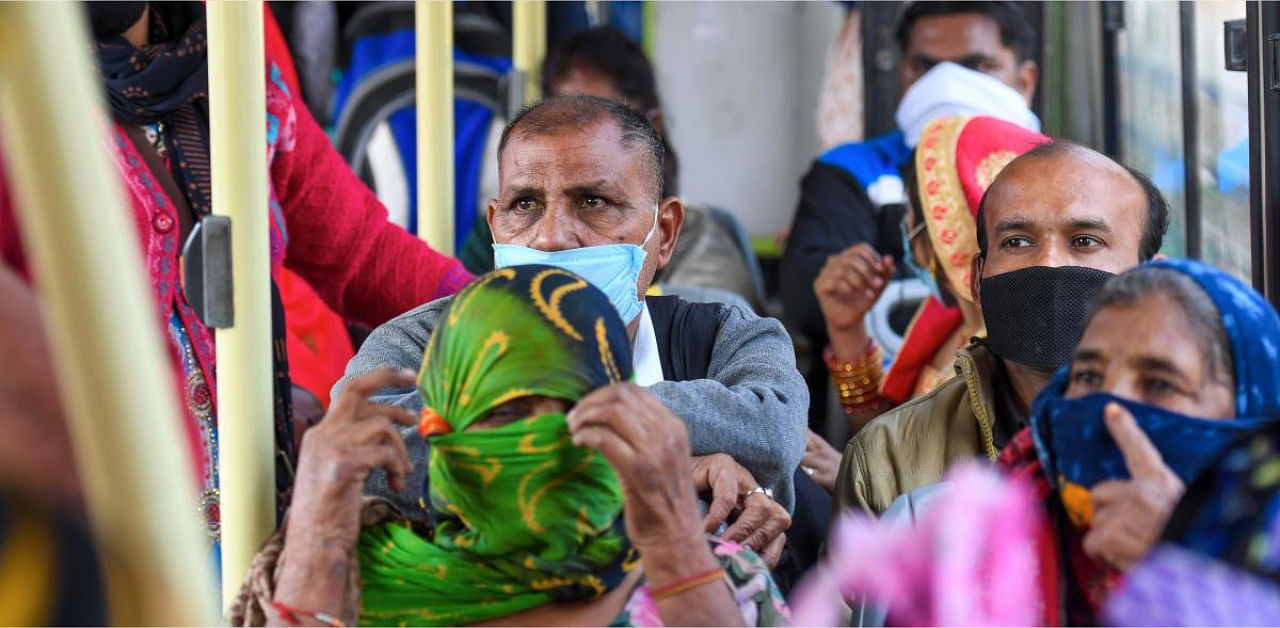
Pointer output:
1087, 355
522, 191
1158, 364
600, 186
972, 60
925, 60
1017, 222
1090, 224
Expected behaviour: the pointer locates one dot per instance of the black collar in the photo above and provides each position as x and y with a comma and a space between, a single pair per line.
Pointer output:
1010, 418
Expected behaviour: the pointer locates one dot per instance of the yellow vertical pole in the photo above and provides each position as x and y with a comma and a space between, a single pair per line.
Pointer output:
529, 43
433, 55
101, 320
649, 28
238, 161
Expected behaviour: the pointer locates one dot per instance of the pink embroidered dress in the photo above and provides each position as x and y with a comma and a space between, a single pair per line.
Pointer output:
325, 225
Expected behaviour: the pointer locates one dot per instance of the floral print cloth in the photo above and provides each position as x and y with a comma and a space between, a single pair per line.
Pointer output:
757, 595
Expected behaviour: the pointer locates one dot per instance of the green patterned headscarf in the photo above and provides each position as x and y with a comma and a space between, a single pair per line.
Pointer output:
523, 517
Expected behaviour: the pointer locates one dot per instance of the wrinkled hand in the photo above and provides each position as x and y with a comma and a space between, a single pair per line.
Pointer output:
850, 284
760, 522
1129, 515
823, 459
337, 456
649, 448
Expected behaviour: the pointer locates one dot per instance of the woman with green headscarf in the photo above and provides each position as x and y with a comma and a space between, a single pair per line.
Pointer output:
561, 494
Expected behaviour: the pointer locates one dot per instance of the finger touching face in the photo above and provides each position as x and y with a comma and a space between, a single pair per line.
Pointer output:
1147, 352
1069, 208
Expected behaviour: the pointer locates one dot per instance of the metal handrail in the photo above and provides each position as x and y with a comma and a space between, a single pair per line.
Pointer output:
433, 53
529, 44
238, 167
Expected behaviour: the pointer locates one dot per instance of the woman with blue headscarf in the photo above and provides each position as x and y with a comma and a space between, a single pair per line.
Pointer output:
1218, 563
1178, 360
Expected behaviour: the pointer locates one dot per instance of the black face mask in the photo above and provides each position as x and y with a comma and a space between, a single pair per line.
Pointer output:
1035, 315
108, 19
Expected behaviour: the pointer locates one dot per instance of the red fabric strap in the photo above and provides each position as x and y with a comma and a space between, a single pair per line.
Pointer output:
929, 330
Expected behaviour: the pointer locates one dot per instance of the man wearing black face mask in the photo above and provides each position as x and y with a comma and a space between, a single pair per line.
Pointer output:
1053, 227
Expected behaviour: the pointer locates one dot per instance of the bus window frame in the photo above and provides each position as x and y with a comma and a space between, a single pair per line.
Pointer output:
1190, 130
881, 58
1263, 21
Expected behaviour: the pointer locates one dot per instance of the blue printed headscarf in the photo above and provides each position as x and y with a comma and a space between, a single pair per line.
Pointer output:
1219, 562
1075, 447
1254, 331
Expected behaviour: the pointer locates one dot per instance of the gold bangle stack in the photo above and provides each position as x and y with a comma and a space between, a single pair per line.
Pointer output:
858, 381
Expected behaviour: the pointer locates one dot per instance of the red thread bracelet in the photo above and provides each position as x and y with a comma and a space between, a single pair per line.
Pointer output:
686, 584
290, 614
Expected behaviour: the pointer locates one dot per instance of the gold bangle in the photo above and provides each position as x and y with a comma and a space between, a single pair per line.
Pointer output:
876, 405
864, 373
858, 381
868, 358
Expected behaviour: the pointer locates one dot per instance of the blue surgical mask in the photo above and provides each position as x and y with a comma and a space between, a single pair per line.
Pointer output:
910, 258
613, 268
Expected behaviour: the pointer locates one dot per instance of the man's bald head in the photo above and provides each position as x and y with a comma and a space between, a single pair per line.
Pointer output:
578, 113
1063, 173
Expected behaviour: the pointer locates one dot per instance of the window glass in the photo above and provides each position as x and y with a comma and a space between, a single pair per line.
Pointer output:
1223, 168
1150, 77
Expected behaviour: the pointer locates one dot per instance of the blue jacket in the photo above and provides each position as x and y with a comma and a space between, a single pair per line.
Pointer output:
852, 193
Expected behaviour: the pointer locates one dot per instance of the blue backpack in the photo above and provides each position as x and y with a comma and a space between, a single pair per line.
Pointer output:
376, 123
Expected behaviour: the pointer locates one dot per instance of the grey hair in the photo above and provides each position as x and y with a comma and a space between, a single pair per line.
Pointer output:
577, 112
1206, 321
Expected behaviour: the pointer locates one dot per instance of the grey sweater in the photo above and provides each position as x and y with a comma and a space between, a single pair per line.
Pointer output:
753, 404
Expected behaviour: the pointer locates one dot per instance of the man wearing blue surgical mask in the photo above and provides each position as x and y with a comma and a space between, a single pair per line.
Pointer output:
958, 58
562, 203
1055, 224
580, 187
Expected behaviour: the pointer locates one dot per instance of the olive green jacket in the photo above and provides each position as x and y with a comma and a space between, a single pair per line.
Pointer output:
914, 444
